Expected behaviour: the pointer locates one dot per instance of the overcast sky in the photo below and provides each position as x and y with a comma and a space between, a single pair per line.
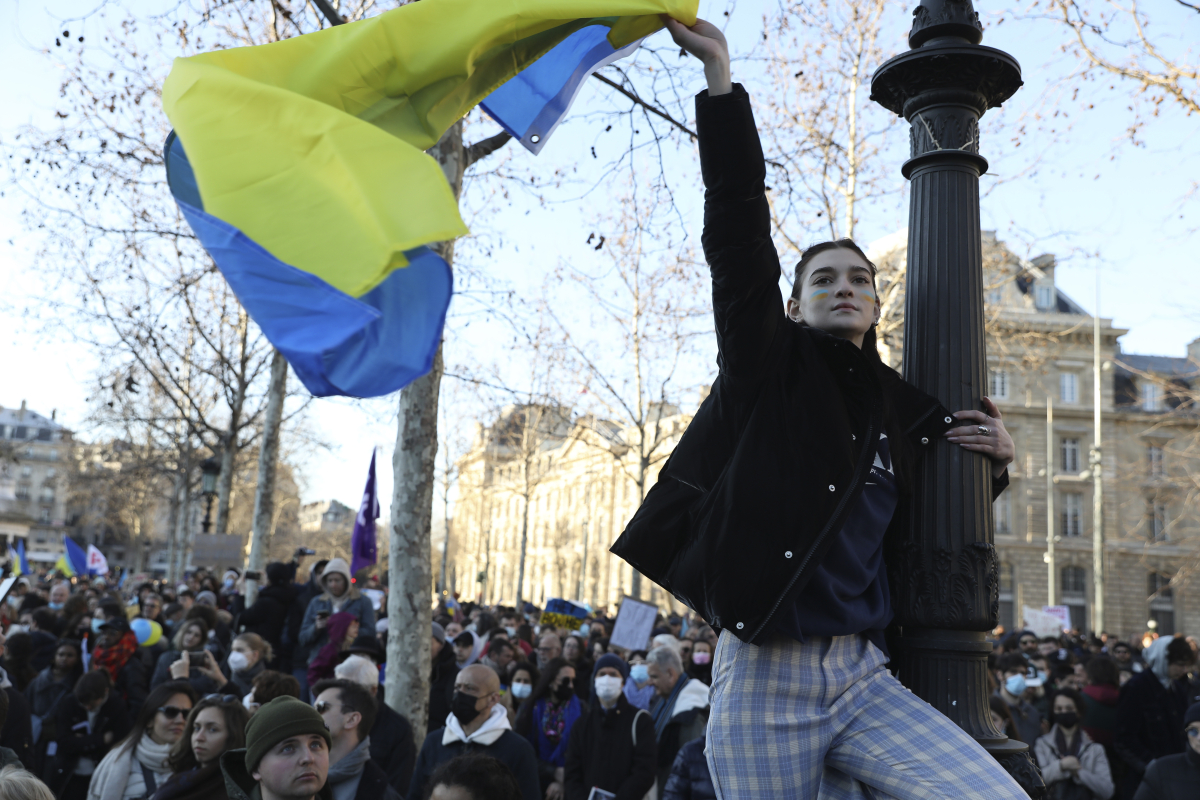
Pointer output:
1094, 194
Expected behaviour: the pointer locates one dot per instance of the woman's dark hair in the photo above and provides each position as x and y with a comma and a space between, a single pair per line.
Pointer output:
898, 445
183, 758
76, 606
525, 633
1000, 708
1103, 671
482, 777
270, 684
585, 653
91, 686
18, 656
158, 697
77, 647
528, 666
484, 623
541, 690
1179, 651
47, 621
1074, 696
206, 613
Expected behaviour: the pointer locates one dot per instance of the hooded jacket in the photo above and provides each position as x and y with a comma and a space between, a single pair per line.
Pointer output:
1094, 773
239, 785
721, 518
614, 750
690, 778
1150, 712
689, 718
494, 738
352, 603
441, 685
1171, 778
268, 615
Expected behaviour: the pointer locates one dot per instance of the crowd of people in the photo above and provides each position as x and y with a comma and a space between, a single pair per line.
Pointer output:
1102, 717
184, 692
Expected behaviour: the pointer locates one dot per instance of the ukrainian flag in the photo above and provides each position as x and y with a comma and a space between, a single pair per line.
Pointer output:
74, 561
300, 164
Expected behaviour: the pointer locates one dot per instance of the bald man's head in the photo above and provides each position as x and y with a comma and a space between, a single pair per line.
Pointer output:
476, 692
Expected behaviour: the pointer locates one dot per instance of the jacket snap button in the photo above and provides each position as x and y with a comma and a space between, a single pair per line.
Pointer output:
787, 554
741, 625
949, 420
853, 438
924, 440
831, 487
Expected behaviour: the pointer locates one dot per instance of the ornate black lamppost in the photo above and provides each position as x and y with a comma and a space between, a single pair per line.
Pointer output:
946, 574
210, 468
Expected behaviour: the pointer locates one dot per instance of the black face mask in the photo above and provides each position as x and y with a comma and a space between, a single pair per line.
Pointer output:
1067, 720
462, 706
563, 691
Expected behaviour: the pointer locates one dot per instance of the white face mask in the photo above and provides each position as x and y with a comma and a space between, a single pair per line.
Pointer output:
608, 688
248, 702
238, 661
15, 628
521, 690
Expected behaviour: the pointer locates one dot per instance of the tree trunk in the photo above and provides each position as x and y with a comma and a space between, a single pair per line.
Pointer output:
268, 458
410, 579
230, 448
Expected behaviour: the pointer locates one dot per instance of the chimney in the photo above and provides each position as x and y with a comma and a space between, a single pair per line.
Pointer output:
21, 413
53, 414
1193, 350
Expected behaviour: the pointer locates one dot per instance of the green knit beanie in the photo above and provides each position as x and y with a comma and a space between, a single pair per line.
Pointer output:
277, 720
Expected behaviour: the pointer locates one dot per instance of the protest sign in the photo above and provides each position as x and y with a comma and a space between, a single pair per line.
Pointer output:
635, 620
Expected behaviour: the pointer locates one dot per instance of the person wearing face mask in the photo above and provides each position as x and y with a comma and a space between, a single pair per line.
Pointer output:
699, 666
639, 691
1010, 675
59, 593
216, 724
247, 658
575, 651
477, 724
1072, 765
612, 746
546, 720
525, 676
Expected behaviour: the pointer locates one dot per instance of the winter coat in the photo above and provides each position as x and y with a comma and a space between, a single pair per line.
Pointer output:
123, 772
240, 785
495, 738
1100, 713
304, 595
72, 738
441, 685
356, 777
43, 693
45, 645
549, 753
132, 683
17, 733
244, 681
1150, 720
794, 413
357, 605
198, 783
1094, 774
689, 778
268, 616
1174, 777
393, 747
602, 753
689, 718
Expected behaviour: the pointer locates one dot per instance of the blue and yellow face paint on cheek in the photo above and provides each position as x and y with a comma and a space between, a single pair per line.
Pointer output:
305, 176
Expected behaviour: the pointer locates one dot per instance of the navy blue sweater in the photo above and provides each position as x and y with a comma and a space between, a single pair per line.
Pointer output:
848, 593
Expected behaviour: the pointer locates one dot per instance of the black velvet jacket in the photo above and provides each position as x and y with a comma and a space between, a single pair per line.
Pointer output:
767, 472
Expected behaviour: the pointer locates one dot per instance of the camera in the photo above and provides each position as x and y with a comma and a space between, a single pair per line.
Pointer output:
253, 575
305, 551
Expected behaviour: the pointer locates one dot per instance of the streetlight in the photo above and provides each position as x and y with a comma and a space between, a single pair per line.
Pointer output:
210, 468
946, 572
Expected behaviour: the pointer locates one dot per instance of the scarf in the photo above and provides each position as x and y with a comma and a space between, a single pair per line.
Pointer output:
552, 729
662, 713
113, 659
325, 660
1060, 741
346, 774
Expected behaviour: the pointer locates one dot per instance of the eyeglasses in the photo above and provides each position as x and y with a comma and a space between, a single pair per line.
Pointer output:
1025, 642
171, 712
322, 706
223, 698
1193, 732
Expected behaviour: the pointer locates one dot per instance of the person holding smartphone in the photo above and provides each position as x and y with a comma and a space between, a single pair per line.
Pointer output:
189, 660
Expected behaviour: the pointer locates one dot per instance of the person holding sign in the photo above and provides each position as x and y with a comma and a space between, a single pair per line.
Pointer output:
770, 518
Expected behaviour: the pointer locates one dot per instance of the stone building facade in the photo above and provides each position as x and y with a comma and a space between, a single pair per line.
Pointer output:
581, 493
39, 452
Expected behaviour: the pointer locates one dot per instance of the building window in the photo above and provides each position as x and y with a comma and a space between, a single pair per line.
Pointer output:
45, 515
1070, 455
1043, 295
53, 455
1068, 388
1072, 514
1151, 396
1162, 603
1074, 595
47, 494
1007, 599
26, 471
1154, 456
1158, 522
43, 434
1003, 513
50, 473
22, 492
29, 452
1074, 580
999, 384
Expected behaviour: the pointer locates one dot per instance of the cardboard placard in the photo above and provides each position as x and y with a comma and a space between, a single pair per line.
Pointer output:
1062, 613
1041, 623
635, 620
562, 613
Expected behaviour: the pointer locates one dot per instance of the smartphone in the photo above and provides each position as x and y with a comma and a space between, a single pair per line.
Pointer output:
253, 575
305, 551
322, 615
196, 659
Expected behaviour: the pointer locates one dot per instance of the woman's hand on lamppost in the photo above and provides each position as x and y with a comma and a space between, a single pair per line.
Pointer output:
985, 433
706, 42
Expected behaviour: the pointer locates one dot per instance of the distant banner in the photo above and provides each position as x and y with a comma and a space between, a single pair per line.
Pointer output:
635, 621
1041, 623
561, 613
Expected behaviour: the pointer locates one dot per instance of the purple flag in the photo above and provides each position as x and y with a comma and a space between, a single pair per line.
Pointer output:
362, 541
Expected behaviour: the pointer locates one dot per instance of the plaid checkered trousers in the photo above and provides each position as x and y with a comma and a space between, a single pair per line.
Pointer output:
824, 720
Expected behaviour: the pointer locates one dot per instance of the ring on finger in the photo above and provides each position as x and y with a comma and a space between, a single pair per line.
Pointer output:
984, 430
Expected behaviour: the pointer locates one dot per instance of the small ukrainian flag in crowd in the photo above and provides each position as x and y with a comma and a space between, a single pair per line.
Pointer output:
301, 164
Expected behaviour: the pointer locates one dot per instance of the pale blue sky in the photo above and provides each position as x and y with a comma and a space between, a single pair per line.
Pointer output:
1093, 194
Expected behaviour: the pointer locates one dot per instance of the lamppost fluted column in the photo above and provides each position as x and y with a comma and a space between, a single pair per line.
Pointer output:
946, 574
